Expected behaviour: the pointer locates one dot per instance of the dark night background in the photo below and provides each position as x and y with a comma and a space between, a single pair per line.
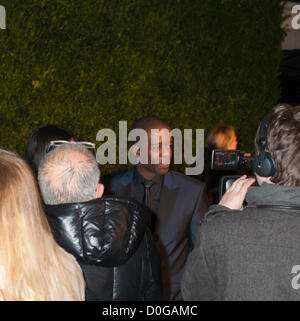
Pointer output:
87, 65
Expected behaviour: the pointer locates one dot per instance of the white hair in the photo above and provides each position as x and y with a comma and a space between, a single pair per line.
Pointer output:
68, 174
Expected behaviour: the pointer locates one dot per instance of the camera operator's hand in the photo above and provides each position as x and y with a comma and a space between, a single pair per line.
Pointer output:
235, 195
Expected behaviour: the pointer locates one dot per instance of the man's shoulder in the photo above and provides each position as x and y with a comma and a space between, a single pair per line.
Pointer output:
225, 228
219, 218
118, 174
185, 178
218, 213
124, 177
184, 181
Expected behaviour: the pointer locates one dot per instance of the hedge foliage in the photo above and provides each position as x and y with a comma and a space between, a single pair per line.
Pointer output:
87, 64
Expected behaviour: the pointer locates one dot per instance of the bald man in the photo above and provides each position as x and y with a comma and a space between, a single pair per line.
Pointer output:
175, 202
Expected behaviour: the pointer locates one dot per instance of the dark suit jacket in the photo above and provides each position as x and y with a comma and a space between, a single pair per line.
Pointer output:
182, 205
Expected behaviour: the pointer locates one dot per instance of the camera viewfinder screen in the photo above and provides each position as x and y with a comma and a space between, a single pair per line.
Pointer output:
225, 159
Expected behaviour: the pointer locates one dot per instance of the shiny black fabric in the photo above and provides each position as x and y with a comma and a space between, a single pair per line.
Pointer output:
108, 237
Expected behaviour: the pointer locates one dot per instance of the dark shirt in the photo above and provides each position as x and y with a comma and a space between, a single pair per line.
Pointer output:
138, 193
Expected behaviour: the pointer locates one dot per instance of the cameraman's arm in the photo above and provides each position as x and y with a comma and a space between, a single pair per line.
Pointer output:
236, 194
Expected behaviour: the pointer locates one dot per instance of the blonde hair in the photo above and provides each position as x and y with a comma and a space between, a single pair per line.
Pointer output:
33, 266
221, 137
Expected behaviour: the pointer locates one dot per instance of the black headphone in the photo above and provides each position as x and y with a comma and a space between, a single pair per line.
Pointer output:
263, 163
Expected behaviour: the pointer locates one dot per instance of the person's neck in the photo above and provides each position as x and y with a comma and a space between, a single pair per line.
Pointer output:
145, 173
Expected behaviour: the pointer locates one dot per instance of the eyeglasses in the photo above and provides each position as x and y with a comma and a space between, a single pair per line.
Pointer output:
57, 143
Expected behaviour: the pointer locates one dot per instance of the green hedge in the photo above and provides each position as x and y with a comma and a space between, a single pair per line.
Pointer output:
87, 64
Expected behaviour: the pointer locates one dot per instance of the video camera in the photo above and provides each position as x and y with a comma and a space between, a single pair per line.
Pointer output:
230, 160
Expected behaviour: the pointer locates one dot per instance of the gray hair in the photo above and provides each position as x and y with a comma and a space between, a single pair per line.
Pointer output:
68, 174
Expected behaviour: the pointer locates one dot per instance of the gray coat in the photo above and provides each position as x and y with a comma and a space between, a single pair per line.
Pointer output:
252, 254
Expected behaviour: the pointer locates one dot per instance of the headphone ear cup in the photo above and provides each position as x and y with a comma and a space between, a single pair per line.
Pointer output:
255, 166
267, 168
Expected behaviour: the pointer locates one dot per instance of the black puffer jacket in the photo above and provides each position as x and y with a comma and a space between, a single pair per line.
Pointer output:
109, 239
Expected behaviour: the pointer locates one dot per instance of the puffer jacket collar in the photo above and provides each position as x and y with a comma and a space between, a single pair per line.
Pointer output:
105, 231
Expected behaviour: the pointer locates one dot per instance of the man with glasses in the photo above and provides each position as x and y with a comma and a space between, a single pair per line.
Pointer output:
107, 235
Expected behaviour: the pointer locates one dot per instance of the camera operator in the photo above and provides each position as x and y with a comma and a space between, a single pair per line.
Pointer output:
253, 253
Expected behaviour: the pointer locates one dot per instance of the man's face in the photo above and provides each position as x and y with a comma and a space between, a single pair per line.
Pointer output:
159, 151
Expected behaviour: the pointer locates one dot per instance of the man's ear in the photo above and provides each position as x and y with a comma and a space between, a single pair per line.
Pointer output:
99, 191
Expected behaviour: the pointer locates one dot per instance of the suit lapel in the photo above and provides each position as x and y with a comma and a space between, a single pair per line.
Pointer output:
123, 184
124, 190
129, 190
126, 187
